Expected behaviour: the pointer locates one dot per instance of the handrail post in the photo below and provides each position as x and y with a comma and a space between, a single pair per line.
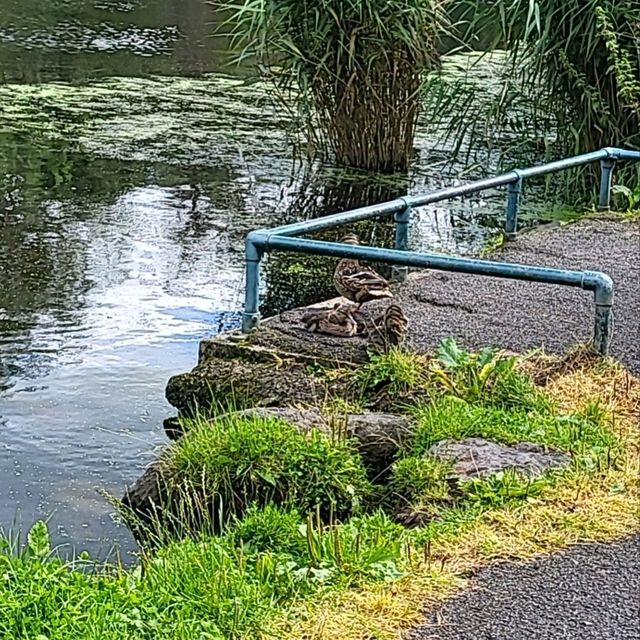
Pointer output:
251, 316
514, 189
402, 220
606, 175
603, 329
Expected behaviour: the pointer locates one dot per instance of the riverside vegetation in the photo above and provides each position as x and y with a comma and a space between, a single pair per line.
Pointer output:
275, 533
287, 535
354, 70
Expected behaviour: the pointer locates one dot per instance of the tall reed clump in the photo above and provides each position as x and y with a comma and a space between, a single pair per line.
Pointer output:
580, 59
355, 66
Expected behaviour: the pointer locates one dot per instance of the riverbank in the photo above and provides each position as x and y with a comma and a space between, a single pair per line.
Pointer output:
395, 521
130, 182
475, 310
414, 540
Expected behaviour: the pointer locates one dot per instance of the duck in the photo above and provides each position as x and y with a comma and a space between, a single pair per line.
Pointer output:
358, 283
338, 321
389, 328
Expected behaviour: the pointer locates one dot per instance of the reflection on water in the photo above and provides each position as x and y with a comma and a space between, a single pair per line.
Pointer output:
74, 40
130, 171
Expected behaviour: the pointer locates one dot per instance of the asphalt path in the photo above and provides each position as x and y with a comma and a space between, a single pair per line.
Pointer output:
516, 315
589, 592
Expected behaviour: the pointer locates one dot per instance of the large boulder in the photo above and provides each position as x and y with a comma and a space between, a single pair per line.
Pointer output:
479, 458
217, 382
270, 367
378, 437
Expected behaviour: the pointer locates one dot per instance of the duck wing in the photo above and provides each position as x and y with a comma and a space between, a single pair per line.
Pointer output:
366, 278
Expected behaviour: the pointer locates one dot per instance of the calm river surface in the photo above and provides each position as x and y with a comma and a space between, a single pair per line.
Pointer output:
133, 160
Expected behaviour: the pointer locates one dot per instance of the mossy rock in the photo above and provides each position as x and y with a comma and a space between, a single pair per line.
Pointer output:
377, 436
279, 364
219, 383
283, 337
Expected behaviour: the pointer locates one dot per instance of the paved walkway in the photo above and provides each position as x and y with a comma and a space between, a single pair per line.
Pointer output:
591, 592
480, 311
521, 315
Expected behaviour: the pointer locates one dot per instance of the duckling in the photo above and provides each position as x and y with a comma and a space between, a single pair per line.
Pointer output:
338, 321
357, 283
350, 238
388, 329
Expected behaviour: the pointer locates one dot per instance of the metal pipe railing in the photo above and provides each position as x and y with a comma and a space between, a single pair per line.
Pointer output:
600, 283
284, 238
607, 156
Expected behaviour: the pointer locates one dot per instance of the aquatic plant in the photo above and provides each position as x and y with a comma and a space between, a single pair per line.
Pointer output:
578, 60
355, 67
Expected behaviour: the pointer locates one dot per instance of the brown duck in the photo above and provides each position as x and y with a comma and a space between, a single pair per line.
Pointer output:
338, 321
389, 329
358, 283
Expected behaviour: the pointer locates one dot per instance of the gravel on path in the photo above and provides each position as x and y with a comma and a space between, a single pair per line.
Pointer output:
519, 316
590, 592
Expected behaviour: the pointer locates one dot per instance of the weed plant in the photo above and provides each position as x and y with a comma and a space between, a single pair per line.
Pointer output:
578, 62
504, 488
488, 377
398, 372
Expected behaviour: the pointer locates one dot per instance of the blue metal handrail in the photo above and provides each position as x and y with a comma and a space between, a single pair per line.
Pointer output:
284, 238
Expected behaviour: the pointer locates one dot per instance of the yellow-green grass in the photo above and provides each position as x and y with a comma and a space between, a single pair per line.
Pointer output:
277, 572
587, 506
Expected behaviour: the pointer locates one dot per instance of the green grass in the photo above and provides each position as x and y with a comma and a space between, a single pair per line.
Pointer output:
268, 528
451, 522
422, 478
233, 462
583, 434
218, 588
293, 525
398, 372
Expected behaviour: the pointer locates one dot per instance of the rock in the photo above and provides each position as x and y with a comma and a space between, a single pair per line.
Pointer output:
272, 366
379, 435
218, 382
172, 428
480, 458
144, 503
288, 339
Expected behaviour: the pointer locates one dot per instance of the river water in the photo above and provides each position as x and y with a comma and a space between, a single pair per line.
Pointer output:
133, 160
